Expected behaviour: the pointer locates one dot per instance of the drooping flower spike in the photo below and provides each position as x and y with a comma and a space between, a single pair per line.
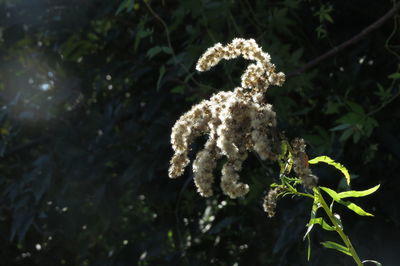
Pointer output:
236, 122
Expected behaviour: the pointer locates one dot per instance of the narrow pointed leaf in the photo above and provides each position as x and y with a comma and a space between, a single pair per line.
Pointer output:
355, 208
322, 223
340, 127
161, 75
309, 248
314, 210
334, 195
338, 247
394, 76
330, 161
350, 205
356, 194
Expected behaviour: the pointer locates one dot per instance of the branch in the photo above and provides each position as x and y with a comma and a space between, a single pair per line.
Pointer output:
347, 43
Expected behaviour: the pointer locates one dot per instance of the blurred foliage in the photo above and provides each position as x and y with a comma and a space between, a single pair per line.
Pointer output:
90, 89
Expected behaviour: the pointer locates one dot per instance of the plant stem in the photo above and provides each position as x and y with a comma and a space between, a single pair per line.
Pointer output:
338, 228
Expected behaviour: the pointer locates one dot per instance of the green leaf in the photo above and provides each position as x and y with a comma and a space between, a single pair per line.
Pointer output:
334, 195
368, 126
327, 160
352, 206
346, 134
351, 118
328, 17
310, 225
322, 223
321, 32
338, 247
153, 51
121, 7
340, 127
142, 33
356, 194
395, 76
127, 5
333, 108
355, 208
314, 210
166, 50
383, 93
178, 89
158, 49
356, 108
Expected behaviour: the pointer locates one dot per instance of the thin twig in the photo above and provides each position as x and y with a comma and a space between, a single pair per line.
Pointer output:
387, 46
347, 43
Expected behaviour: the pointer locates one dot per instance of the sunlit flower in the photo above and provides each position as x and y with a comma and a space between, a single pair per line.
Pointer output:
236, 122
270, 200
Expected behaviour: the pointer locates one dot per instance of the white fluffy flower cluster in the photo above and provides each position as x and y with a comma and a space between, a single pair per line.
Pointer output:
270, 201
257, 76
237, 122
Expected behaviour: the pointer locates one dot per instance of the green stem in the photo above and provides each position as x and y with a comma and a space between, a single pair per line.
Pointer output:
338, 228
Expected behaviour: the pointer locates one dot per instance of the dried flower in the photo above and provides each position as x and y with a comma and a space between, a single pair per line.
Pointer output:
270, 200
237, 122
257, 76
300, 161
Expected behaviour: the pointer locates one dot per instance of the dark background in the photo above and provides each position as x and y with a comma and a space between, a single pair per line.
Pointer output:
89, 91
